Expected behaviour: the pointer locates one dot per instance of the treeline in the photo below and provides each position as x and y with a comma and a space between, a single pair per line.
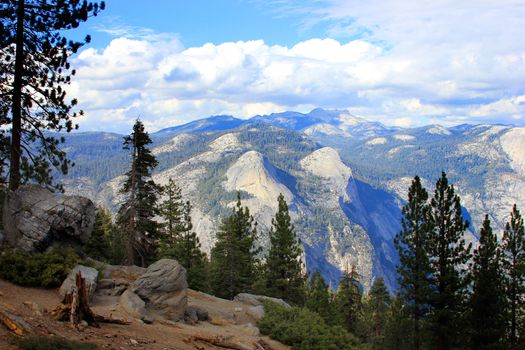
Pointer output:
450, 297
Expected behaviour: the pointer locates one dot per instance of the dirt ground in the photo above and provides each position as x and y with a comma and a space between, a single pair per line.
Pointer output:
228, 319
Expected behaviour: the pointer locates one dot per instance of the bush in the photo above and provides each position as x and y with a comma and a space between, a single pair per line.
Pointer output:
52, 343
305, 330
46, 270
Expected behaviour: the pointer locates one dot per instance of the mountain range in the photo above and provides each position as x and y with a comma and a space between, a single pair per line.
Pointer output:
344, 178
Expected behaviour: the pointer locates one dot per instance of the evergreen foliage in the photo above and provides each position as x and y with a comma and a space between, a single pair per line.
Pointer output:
178, 241
487, 299
46, 270
35, 69
234, 256
399, 326
98, 246
513, 247
448, 258
283, 270
318, 297
414, 270
376, 312
136, 214
347, 305
304, 329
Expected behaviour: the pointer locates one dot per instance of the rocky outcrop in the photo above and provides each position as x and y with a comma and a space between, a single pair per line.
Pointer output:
36, 219
89, 274
258, 300
160, 293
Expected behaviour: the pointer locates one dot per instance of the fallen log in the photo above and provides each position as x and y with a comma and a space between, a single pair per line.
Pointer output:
11, 324
262, 345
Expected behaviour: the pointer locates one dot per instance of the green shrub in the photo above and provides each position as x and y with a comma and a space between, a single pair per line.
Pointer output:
46, 270
305, 330
52, 343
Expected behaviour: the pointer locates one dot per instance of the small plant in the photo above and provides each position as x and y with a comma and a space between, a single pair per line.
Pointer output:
46, 270
51, 343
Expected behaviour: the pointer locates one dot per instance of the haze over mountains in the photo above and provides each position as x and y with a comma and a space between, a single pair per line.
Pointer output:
345, 178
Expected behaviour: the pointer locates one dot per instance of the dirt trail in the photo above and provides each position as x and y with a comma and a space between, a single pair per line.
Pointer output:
228, 319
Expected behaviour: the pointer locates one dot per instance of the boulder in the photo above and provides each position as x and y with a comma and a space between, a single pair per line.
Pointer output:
163, 289
89, 274
36, 219
133, 305
195, 314
256, 312
256, 300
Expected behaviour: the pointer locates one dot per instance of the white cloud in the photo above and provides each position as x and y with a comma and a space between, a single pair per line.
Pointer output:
417, 62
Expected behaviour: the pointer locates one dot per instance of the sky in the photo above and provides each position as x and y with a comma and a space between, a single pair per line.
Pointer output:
401, 62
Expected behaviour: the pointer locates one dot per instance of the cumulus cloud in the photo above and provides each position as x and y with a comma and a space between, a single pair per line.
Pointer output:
416, 62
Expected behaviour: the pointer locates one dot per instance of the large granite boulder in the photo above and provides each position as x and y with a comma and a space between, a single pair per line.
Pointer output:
162, 289
36, 219
90, 276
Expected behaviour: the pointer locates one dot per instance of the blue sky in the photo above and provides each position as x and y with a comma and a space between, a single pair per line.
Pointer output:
400, 62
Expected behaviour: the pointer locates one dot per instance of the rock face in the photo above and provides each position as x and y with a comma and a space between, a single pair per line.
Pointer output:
161, 292
36, 219
88, 273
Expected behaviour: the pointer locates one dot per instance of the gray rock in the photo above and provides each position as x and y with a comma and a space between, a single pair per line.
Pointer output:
105, 284
36, 219
256, 300
123, 273
133, 305
162, 289
256, 312
196, 313
88, 273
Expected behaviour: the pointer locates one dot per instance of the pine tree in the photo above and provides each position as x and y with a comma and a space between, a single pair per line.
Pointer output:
136, 214
448, 257
98, 245
414, 270
399, 326
487, 301
178, 241
283, 272
35, 69
378, 304
513, 247
347, 304
318, 297
234, 256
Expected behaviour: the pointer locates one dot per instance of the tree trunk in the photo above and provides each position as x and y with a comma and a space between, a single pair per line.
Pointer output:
16, 108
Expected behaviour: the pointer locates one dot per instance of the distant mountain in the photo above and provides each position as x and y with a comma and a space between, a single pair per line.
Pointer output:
345, 178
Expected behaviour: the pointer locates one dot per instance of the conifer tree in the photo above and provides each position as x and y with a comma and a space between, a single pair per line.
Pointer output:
98, 245
347, 304
318, 297
283, 272
378, 304
399, 326
34, 71
136, 214
513, 247
178, 241
234, 256
414, 270
448, 257
487, 301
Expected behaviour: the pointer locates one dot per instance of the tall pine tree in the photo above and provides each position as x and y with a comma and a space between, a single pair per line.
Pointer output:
98, 246
178, 241
487, 300
318, 297
347, 304
283, 272
377, 307
513, 247
136, 214
234, 256
34, 71
448, 257
414, 270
